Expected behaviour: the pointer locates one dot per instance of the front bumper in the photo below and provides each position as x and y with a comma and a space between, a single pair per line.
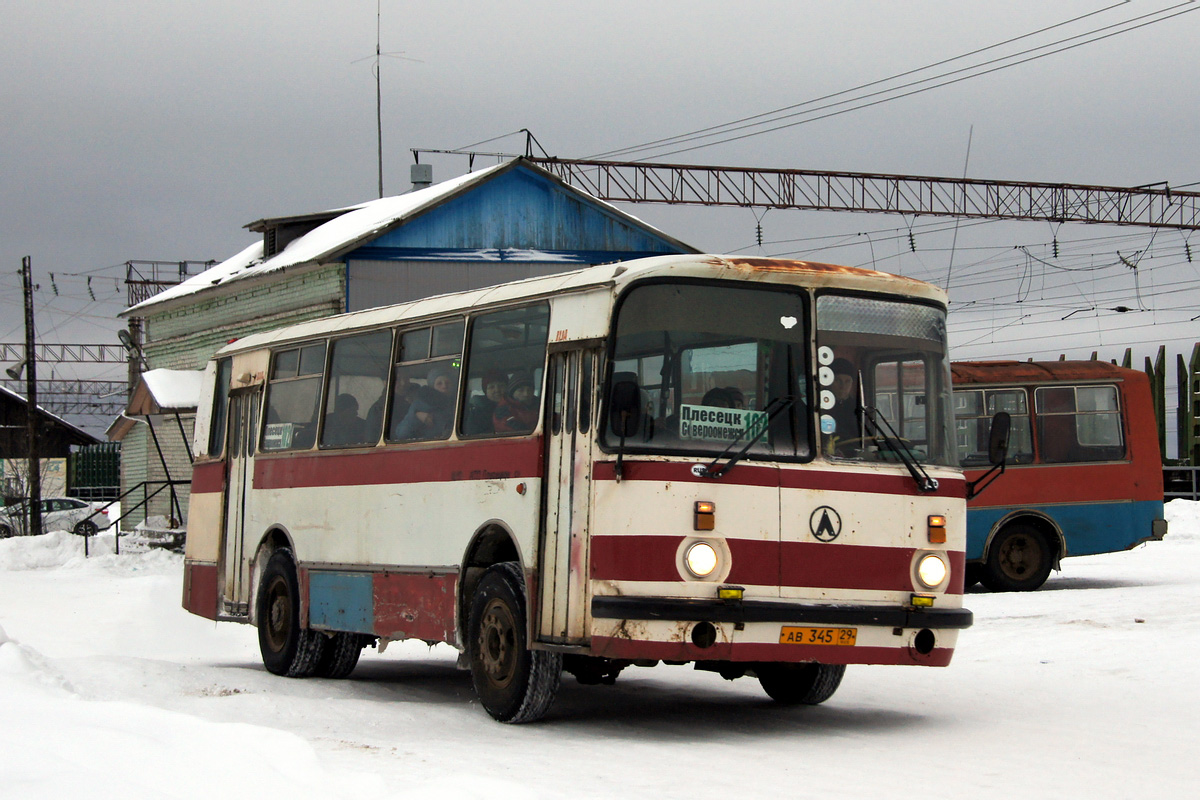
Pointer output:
750, 611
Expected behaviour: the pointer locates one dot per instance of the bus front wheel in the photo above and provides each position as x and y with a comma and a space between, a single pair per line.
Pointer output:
287, 649
795, 684
1017, 561
514, 683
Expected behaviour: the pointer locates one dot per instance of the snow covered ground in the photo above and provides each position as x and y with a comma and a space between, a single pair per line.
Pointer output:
1087, 688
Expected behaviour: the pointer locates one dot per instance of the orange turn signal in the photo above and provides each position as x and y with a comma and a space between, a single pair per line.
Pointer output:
705, 516
937, 529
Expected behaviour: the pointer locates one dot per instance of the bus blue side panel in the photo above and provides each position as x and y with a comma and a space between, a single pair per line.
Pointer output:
341, 601
1088, 528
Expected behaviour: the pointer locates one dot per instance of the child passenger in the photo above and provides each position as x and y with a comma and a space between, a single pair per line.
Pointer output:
518, 412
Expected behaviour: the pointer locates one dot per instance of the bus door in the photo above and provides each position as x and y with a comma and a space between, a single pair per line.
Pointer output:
243, 424
569, 432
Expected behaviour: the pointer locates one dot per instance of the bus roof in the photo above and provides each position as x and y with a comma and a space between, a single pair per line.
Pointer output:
1014, 372
610, 276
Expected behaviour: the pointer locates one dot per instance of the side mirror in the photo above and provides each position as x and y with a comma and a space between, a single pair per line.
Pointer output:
997, 454
998, 438
625, 408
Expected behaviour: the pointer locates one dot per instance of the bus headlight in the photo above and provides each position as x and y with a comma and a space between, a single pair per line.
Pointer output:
701, 559
932, 570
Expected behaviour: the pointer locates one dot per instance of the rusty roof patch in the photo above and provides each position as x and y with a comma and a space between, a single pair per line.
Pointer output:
967, 372
790, 265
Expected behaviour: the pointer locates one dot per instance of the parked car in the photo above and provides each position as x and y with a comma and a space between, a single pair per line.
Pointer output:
58, 514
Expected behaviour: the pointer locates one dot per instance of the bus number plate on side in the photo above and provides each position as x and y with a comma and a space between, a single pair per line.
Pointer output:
834, 636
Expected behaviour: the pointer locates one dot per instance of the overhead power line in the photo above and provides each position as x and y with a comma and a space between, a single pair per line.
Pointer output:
856, 100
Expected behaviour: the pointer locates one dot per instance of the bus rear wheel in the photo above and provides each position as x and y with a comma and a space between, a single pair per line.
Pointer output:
1017, 561
341, 655
796, 684
287, 649
514, 684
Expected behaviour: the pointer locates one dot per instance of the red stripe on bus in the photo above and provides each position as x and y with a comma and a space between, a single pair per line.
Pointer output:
457, 461
200, 589
868, 482
411, 606
787, 477
744, 474
1027, 485
633, 649
209, 477
764, 563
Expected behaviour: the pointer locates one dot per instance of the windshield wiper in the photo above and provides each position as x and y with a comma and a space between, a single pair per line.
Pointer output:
773, 410
925, 482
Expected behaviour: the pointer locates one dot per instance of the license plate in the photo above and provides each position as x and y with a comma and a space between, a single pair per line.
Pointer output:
833, 636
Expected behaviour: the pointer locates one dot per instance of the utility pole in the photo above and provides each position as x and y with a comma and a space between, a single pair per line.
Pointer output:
31, 421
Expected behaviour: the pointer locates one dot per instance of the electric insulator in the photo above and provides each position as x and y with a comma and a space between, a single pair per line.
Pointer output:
53, 285
1056, 247
1187, 250
758, 233
90, 292
912, 242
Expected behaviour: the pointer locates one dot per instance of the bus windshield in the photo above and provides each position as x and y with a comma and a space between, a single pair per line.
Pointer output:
883, 380
714, 364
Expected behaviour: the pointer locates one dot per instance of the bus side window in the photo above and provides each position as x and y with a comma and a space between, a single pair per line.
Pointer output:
358, 373
293, 398
1079, 423
425, 383
506, 356
973, 412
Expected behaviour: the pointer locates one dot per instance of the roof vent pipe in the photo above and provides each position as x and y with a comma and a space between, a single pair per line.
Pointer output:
422, 176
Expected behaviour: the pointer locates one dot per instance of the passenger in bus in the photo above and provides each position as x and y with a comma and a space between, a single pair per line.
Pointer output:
343, 425
482, 407
845, 411
518, 413
735, 394
719, 397
431, 414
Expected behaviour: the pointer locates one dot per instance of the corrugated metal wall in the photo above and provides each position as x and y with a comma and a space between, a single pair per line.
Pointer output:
380, 283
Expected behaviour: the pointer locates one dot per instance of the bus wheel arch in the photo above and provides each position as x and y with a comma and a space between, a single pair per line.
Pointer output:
492, 544
1020, 554
274, 539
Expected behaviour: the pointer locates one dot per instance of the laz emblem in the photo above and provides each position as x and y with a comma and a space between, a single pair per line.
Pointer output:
825, 523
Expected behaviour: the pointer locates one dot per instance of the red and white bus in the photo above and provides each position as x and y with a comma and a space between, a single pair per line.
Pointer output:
1084, 472
629, 464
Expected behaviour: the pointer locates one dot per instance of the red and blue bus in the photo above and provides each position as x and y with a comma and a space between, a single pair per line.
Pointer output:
1084, 470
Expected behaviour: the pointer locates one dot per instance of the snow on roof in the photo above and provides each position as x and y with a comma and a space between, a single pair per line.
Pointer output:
174, 389
159, 391
358, 223
21, 398
225, 271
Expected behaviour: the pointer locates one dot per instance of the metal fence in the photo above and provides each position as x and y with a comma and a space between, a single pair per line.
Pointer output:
1181, 482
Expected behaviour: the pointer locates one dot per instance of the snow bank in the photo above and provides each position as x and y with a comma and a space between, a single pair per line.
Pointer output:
1183, 520
63, 550
71, 747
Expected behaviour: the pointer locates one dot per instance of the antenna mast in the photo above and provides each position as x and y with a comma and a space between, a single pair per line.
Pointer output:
378, 94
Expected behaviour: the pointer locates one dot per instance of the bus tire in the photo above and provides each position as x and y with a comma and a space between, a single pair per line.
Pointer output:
514, 684
287, 649
1018, 560
800, 684
341, 655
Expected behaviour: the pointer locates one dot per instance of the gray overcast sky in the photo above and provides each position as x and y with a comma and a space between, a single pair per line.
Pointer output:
152, 130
